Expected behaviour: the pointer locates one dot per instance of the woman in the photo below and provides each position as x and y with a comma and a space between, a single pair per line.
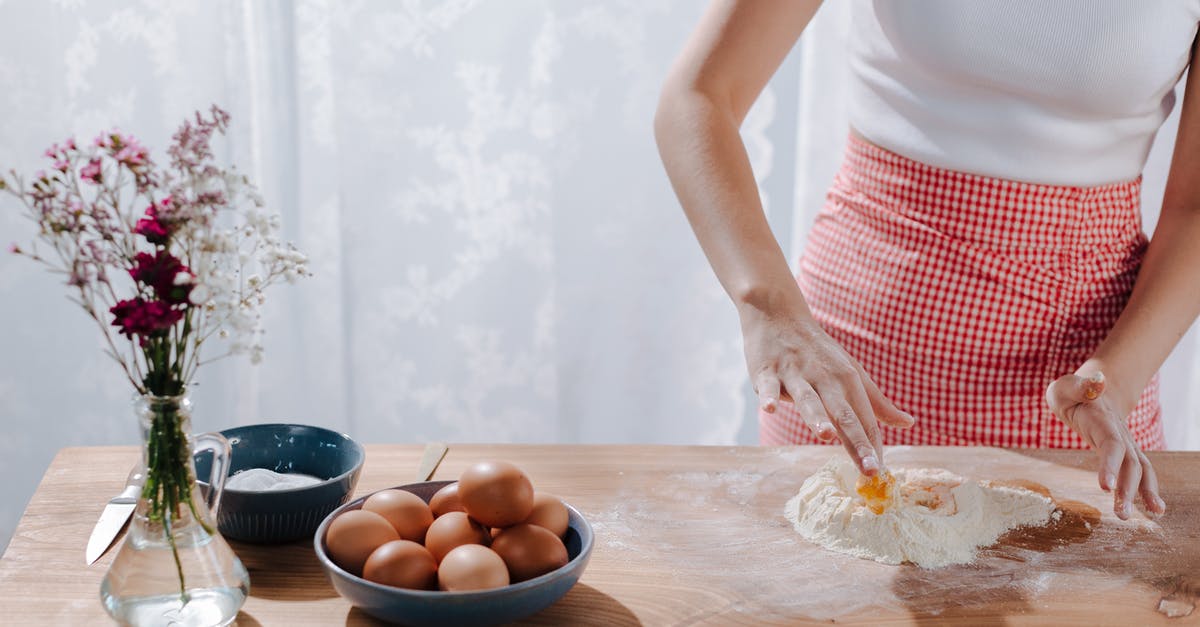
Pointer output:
974, 264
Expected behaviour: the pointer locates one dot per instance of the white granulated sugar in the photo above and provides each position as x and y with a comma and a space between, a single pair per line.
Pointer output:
939, 519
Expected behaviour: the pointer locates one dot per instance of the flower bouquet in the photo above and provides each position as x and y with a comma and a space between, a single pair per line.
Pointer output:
166, 260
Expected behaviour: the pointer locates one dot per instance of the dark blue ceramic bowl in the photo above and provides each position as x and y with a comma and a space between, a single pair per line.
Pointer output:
482, 607
285, 515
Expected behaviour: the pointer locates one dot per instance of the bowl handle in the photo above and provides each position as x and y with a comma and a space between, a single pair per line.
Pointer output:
221, 452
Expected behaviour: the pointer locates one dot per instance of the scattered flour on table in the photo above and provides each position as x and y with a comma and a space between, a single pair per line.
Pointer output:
940, 519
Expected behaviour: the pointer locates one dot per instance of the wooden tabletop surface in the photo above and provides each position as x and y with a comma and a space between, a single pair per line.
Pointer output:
696, 535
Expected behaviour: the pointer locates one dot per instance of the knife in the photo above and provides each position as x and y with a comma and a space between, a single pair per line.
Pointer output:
115, 515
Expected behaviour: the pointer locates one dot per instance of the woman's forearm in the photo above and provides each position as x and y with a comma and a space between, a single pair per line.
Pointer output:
1164, 303
710, 171
727, 61
1166, 297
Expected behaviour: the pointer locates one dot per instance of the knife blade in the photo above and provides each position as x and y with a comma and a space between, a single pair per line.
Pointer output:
116, 513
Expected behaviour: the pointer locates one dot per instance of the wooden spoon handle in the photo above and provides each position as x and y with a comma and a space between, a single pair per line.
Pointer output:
434, 452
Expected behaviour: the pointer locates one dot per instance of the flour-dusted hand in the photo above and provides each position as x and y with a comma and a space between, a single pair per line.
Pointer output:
1082, 403
791, 356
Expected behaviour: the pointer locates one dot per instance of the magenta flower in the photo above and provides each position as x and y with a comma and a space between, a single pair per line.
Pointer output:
144, 318
91, 172
160, 271
155, 229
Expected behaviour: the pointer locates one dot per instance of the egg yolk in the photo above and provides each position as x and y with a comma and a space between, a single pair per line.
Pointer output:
878, 492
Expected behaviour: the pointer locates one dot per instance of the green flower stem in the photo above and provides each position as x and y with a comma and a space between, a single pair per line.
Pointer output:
168, 486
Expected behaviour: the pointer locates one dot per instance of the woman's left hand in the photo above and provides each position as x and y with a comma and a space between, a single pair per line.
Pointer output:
1082, 404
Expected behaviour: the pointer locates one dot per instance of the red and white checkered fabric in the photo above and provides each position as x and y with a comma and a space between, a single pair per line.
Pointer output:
964, 296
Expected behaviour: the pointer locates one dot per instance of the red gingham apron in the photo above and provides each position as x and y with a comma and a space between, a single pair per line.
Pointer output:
964, 296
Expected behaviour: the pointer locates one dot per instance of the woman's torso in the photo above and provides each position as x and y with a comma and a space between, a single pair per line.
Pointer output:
1069, 92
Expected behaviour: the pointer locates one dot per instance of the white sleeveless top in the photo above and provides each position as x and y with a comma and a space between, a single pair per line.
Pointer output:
1064, 92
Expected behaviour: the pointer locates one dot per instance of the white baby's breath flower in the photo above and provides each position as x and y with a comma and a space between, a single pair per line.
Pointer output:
199, 294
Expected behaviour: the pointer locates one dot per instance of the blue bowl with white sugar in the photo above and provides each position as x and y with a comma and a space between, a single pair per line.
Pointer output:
284, 479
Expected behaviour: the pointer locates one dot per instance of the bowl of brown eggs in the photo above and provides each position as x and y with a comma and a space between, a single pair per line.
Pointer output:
486, 549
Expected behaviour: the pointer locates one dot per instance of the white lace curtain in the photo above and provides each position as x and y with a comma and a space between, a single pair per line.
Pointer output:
497, 253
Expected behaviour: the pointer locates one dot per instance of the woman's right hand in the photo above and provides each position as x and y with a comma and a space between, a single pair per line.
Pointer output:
789, 355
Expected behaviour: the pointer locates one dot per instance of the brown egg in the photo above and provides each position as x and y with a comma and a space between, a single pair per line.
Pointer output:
403, 564
446, 500
471, 567
529, 551
405, 510
495, 493
549, 512
454, 529
354, 535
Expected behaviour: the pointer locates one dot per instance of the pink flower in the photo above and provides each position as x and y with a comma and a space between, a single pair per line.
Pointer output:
133, 155
62, 165
144, 318
160, 271
14, 249
125, 149
52, 151
91, 172
70, 143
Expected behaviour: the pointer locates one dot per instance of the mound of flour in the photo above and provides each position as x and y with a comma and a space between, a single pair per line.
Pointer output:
939, 518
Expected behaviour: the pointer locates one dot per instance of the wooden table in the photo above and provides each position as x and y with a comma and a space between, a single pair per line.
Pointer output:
696, 535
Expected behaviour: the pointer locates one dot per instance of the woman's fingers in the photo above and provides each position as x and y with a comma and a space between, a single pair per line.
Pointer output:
809, 406
1072, 389
1124, 468
855, 423
1149, 487
854, 437
1112, 455
766, 385
885, 411
1127, 483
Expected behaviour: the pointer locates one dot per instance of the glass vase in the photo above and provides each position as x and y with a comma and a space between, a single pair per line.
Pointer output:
174, 568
